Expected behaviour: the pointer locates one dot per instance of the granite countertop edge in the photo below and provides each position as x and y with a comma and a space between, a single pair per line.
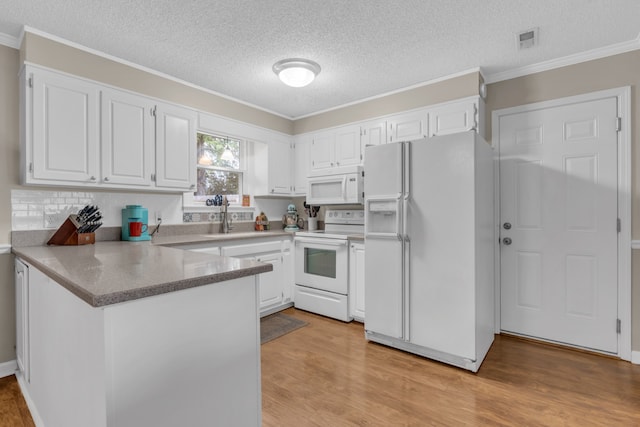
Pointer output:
116, 297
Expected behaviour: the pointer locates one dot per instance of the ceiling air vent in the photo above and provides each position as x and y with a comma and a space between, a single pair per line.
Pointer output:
527, 39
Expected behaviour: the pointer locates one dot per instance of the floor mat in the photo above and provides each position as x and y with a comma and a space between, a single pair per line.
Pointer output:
277, 325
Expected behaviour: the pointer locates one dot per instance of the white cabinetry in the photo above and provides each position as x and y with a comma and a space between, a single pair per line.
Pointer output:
22, 318
271, 168
408, 126
356, 281
275, 286
127, 138
336, 148
301, 164
175, 147
80, 133
61, 130
453, 117
102, 366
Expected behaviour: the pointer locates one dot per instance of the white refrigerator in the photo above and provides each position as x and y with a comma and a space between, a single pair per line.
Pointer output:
429, 245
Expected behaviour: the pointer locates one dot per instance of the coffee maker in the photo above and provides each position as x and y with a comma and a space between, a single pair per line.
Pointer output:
135, 221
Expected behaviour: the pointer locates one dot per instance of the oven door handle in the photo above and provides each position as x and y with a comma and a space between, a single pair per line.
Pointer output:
325, 242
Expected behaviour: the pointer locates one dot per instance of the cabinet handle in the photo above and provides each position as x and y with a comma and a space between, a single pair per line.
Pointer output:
106, 178
192, 186
93, 178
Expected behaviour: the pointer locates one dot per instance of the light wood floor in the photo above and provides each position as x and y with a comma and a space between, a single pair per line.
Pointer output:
326, 374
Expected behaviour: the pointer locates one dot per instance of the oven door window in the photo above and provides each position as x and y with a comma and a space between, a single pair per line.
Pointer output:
320, 262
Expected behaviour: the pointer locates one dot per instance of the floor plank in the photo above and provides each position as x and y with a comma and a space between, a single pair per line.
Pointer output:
327, 374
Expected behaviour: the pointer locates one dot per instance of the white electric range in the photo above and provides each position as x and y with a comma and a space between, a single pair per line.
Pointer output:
322, 264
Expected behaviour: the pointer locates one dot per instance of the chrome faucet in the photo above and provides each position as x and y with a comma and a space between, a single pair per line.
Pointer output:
226, 222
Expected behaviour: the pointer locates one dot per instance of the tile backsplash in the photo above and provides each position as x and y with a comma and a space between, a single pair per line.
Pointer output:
45, 209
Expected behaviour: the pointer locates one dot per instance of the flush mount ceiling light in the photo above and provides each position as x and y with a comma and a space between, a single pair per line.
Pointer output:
296, 72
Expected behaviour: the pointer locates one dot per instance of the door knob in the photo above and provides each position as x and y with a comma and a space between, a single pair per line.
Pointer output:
507, 226
506, 241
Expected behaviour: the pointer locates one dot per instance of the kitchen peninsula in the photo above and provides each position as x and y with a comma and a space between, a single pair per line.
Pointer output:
134, 334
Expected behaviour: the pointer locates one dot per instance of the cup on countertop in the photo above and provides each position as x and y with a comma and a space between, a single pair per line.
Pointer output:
136, 228
312, 223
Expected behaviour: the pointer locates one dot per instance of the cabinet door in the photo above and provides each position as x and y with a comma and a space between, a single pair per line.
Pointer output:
453, 118
127, 138
288, 271
408, 127
279, 168
22, 318
271, 283
322, 151
175, 147
347, 146
356, 281
301, 164
65, 139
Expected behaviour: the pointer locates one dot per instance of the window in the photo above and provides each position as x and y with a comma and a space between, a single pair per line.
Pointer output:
219, 168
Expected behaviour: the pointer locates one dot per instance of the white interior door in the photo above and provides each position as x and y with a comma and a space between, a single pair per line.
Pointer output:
558, 184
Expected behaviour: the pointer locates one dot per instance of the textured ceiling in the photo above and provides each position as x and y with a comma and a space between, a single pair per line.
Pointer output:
365, 47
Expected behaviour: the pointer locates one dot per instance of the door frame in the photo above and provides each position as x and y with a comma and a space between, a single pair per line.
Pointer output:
623, 95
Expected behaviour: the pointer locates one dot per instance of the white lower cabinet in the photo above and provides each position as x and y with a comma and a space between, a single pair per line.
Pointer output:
276, 287
143, 362
356, 281
22, 318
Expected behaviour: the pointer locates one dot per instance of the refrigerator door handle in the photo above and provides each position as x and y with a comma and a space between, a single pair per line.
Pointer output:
406, 289
407, 168
405, 216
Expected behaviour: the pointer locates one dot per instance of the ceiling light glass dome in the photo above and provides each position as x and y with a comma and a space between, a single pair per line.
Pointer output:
296, 72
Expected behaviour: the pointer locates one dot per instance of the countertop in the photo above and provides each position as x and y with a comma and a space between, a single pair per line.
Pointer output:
183, 239
108, 273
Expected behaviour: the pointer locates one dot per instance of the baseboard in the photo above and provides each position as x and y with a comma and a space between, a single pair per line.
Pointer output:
635, 357
35, 415
8, 368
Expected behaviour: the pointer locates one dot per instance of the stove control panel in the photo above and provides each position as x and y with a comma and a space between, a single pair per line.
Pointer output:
347, 216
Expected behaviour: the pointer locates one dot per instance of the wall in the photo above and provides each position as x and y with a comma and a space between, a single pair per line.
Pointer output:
429, 94
606, 73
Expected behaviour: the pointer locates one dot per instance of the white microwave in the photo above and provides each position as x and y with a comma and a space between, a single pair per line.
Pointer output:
340, 186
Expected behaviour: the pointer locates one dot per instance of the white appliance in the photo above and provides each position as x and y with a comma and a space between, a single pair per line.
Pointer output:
322, 264
337, 186
429, 243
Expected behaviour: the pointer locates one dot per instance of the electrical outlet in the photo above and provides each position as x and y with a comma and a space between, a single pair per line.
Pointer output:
52, 220
157, 216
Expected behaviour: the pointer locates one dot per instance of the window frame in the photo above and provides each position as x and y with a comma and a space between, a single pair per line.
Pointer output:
242, 168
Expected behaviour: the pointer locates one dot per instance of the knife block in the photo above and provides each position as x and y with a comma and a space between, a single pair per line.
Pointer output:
67, 234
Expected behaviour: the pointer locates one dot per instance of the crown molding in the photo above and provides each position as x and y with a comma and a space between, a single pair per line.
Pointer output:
577, 58
83, 48
9, 41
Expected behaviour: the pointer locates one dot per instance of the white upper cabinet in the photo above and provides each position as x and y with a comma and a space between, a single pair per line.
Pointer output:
301, 163
79, 133
336, 148
347, 149
270, 168
373, 133
61, 128
127, 138
453, 117
408, 126
175, 147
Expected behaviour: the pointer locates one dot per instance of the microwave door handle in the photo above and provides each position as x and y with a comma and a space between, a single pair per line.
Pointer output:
344, 188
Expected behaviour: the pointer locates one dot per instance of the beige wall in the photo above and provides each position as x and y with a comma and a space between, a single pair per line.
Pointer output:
8, 179
46, 52
447, 90
607, 73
